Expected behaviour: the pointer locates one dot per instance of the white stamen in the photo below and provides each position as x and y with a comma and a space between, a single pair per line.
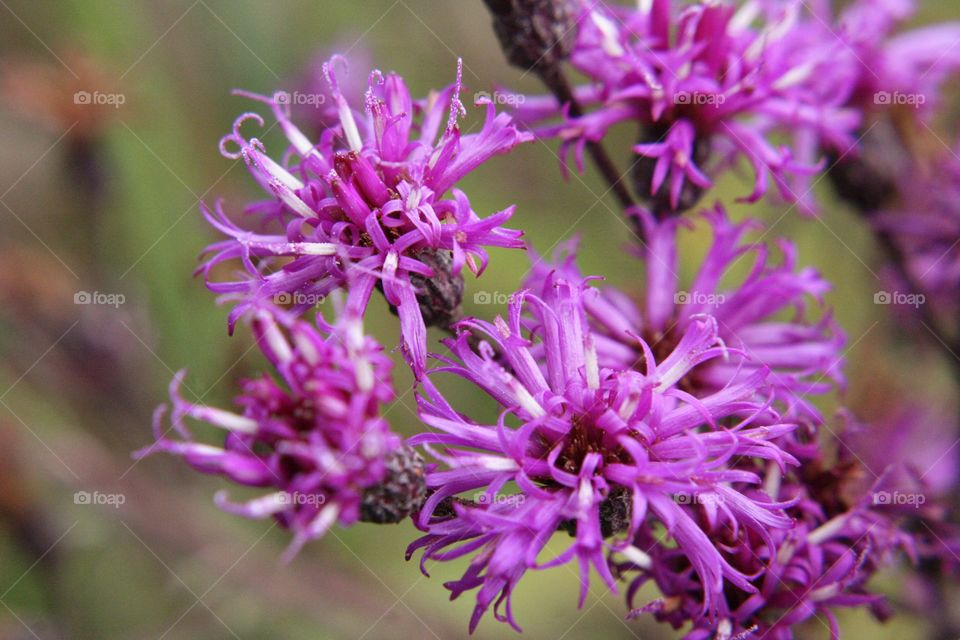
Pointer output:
226, 419
637, 557
267, 505
276, 172
349, 125
495, 463
300, 142
313, 248
275, 340
794, 76
744, 17
390, 263
327, 516
609, 31
724, 630
362, 367
629, 405
306, 348
585, 494
827, 529
771, 484
525, 400
590, 364
292, 200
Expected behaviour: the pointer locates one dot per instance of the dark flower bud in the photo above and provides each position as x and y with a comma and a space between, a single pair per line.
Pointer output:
402, 491
868, 181
534, 33
615, 511
441, 295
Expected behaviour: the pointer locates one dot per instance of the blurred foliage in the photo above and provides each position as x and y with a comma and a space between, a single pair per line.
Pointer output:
106, 200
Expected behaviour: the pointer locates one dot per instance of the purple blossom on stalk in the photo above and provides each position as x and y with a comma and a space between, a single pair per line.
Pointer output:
878, 68
804, 356
314, 434
924, 223
593, 450
839, 540
878, 73
708, 84
366, 206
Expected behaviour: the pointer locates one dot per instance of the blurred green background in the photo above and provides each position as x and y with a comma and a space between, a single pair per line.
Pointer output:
105, 199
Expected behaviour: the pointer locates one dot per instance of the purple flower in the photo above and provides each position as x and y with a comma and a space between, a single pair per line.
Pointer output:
592, 450
366, 206
708, 85
313, 433
888, 69
838, 541
803, 355
924, 223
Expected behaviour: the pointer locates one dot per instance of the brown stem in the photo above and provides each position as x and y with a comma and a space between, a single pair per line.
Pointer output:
555, 80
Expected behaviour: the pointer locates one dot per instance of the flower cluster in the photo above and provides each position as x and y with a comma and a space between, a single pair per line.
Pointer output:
803, 355
707, 84
593, 449
315, 436
673, 434
805, 572
367, 206
924, 222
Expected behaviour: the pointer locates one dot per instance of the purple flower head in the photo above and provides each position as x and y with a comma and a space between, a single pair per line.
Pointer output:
893, 79
924, 223
366, 206
708, 84
888, 69
840, 538
313, 433
594, 451
802, 355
